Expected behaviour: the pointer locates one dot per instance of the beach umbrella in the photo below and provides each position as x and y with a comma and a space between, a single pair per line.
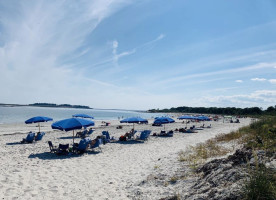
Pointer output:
134, 120
187, 117
83, 116
38, 119
163, 120
203, 118
72, 124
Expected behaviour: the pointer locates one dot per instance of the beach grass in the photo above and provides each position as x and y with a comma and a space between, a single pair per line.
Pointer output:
259, 135
261, 185
198, 154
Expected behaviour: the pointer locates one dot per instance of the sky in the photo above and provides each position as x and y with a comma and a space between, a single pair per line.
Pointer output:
143, 54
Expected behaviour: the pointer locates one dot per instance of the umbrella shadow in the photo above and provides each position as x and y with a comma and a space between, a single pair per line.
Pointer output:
129, 142
91, 152
16, 143
53, 156
68, 137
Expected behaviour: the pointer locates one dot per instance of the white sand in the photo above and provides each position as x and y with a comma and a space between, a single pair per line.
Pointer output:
29, 171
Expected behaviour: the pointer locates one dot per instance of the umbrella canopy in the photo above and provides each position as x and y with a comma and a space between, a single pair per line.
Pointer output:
163, 120
134, 120
72, 124
203, 118
38, 119
83, 116
187, 117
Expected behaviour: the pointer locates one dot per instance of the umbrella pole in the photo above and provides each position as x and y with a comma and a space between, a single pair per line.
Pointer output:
73, 137
39, 126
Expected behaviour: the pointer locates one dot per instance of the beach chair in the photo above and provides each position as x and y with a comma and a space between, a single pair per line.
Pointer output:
63, 149
144, 135
53, 149
82, 146
39, 136
90, 131
106, 136
97, 144
165, 134
170, 134
82, 134
29, 139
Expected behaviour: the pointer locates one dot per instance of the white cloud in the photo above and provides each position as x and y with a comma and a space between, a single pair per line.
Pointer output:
273, 81
218, 72
115, 46
258, 79
37, 37
116, 56
259, 98
239, 81
161, 36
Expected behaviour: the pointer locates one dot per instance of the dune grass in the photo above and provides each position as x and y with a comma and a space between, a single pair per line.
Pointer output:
260, 135
261, 185
195, 155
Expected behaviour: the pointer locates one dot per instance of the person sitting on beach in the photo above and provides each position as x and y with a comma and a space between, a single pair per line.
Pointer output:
93, 142
163, 133
29, 139
128, 135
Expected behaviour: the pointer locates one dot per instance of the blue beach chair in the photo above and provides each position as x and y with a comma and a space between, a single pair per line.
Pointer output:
97, 144
39, 136
29, 139
107, 136
83, 145
90, 131
144, 135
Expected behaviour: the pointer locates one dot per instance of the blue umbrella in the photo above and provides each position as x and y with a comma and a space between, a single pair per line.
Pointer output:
187, 117
83, 116
72, 124
203, 118
163, 120
38, 119
134, 120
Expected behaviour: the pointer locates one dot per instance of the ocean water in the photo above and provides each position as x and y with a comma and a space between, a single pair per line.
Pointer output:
21, 114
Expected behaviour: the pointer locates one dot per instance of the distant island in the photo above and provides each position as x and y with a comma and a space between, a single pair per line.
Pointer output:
50, 105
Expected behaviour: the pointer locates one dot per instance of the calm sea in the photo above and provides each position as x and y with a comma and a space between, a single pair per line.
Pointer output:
21, 114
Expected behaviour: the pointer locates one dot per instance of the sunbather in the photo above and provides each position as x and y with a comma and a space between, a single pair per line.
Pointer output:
29, 139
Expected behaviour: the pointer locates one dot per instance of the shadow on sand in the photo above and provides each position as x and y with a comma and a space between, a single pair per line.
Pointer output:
53, 156
16, 143
129, 142
68, 137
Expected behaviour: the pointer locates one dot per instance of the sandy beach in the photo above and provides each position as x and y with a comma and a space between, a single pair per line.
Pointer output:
30, 171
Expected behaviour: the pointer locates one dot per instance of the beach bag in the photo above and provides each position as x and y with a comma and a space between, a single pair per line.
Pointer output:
122, 138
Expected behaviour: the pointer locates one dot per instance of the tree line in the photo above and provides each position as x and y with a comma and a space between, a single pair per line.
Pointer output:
271, 110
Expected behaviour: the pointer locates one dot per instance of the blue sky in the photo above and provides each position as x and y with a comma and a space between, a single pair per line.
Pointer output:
139, 54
